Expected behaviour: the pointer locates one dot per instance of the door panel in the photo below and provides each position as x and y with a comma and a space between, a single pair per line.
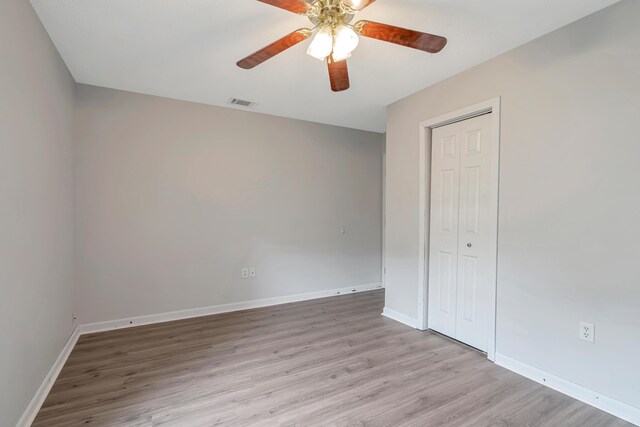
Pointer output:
443, 254
448, 150
472, 196
474, 142
445, 285
460, 255
469, 287
473, 290
447, 201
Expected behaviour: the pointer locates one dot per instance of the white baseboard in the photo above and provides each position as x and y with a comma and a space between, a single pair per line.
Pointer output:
399, 317
615, 407
219, 309
34, 406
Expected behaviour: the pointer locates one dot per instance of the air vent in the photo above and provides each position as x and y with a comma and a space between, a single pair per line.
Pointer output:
242, 102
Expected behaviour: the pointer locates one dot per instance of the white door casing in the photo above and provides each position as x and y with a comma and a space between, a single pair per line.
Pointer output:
426, 128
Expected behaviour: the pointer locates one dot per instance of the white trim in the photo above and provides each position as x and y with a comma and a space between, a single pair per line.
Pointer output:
36, 402
399, 317
383, 272
608, 404
489, 106
219, 309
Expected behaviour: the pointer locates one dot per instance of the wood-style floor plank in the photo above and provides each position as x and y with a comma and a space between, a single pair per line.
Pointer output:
334, 361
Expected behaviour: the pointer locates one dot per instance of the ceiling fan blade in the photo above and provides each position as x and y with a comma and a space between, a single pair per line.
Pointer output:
338, 74
274, 49
295, 6
409, 38
357, 5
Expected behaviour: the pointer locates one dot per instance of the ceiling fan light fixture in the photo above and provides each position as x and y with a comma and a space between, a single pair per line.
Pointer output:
336, 38
322, 44
346, 41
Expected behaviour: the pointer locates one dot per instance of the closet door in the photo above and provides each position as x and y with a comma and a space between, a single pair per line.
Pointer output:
474, 235
443, 230
460, 235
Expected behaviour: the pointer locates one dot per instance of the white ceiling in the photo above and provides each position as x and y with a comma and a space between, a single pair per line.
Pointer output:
187, 49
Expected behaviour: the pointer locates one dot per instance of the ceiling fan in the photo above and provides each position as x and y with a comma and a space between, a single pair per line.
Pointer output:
335, 38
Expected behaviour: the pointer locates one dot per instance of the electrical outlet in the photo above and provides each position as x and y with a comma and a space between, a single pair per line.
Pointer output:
587, 332
252, 272
245, 273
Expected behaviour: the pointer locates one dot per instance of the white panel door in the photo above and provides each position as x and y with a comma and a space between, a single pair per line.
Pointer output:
474, 233
443, 252
469, 259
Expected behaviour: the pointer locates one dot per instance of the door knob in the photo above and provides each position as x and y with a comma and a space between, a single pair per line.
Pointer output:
469, 245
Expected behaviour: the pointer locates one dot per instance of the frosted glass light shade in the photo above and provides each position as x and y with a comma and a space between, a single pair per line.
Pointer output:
322, 44
346, 40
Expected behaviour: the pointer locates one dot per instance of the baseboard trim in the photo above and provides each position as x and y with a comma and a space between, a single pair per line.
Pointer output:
41, 394
220, 309
614, 407
399, 317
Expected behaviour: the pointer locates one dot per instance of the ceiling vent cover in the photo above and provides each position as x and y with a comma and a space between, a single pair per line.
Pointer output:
241, 102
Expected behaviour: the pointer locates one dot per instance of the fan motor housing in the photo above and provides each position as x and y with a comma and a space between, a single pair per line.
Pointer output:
329, 13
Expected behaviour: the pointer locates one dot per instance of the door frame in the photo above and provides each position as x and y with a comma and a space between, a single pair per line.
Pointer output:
383, 270
490, 106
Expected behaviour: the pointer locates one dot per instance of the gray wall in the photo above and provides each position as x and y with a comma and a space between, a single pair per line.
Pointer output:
36, 206
174, 198
569, 226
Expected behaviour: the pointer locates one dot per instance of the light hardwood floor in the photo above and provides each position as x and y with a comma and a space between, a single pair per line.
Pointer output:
333, 361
